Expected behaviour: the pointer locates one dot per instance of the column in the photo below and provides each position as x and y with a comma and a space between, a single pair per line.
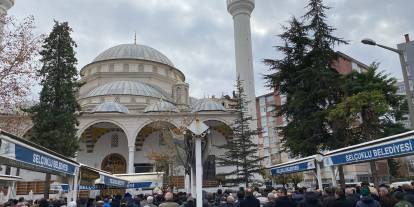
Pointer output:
199, 172
131, 157
187, 183
333, 176
241, 10
192, 182
318, 175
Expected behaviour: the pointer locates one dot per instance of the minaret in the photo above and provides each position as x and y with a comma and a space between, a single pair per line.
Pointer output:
241, 10
4, 6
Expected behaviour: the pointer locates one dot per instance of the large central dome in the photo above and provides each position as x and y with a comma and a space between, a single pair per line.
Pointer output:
133, 51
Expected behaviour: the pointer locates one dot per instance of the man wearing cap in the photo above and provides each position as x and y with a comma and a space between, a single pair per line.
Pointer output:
366, 199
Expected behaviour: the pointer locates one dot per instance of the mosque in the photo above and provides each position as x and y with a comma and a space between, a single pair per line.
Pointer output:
134, 101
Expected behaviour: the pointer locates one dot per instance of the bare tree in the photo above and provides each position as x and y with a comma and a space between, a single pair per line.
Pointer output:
19, 49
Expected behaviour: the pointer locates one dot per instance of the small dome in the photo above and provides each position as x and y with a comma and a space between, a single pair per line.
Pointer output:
110, 107
125, 88
161, 106
133, 51
207, 105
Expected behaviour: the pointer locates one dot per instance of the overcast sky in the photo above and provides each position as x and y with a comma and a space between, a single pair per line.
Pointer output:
197, 35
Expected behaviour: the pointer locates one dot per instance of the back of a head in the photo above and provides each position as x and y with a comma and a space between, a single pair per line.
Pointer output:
230, 199
373, 191
339, 192
271, 196
240, 195
349, 191
365, 191
169, 196
99, 204
329, 191
383, 190
283, 191
150, 199
219, 192
249, 193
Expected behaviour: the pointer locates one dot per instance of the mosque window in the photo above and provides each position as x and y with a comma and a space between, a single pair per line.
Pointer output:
126, 67
117, 100
179, 95
141, 68
111, 67
143, 167
8, 170
114, 141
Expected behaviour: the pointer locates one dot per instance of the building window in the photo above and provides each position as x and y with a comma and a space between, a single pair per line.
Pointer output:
114, 141
143, 167
126, 67
209, 168
141, 68
8, 170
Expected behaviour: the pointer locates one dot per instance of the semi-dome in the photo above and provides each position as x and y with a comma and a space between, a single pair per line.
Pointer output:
206, 105
161, 106
133, 51
110, 107
126, 88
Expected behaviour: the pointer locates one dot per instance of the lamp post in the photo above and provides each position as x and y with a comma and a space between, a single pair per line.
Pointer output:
405, 76
199, 130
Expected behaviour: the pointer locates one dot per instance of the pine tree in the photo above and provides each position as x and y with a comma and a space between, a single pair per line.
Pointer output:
368, 110
55, 116
241, 151
306, 77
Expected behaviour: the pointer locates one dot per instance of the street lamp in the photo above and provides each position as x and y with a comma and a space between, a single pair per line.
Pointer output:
199, 130
405, 76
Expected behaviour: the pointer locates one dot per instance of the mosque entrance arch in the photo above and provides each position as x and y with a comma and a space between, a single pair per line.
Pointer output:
114, 163
104, 142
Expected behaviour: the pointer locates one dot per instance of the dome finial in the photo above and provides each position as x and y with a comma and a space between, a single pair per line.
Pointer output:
135, 38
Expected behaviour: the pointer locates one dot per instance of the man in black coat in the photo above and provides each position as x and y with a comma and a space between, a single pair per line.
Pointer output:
250, 200
283, 200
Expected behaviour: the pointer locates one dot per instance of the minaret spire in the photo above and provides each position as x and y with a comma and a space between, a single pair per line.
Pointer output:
241, 11
135, 38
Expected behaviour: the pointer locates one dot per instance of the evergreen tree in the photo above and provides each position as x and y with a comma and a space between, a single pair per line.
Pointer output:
368, 110
241, 151
55, 116
306, 77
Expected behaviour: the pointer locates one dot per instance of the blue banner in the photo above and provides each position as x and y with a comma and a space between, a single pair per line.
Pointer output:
372, 153
42, 160
114, 182
87, 187
297, 167
148, 184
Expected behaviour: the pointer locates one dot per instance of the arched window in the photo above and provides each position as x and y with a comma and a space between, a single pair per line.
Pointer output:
114, 141
179, 94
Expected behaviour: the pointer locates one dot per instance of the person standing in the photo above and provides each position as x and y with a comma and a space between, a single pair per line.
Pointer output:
250, 200
367, 200
283, 200
386, 200
169, 201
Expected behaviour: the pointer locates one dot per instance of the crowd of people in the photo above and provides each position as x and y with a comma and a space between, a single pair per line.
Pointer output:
360, 196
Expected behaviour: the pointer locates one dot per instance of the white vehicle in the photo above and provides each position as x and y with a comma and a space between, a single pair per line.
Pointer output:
396, 184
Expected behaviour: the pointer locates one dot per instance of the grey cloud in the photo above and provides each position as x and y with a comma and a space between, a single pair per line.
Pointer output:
197, 35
